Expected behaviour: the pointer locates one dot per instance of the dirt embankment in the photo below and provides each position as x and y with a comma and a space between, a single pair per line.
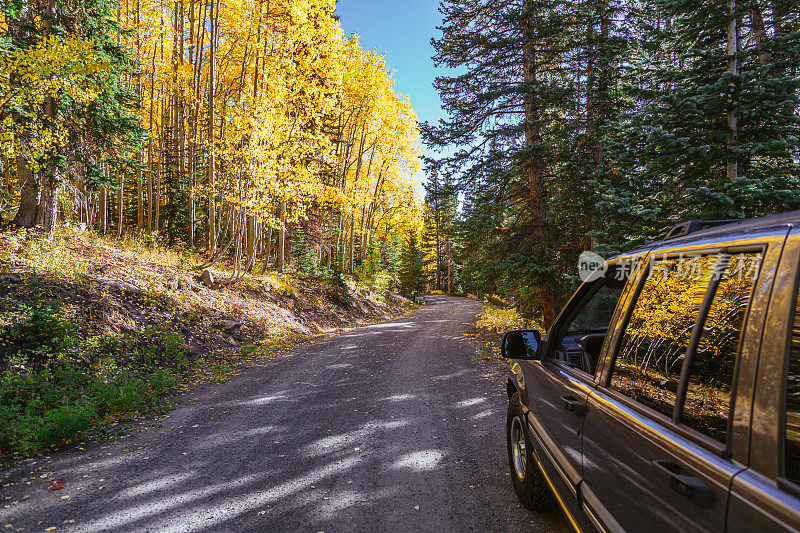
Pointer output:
94, 331
117, 288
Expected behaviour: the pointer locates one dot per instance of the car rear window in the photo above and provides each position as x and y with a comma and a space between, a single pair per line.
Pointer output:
708, 396
652, 350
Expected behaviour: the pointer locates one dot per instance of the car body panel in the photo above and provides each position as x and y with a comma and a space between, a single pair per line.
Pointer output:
617, 427
757, 503
757, 498
769, 399
621, 447
559, 429
546, 466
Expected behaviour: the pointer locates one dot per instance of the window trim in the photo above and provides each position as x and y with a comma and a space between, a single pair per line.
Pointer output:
713, 445
682, 430
576, 373
697, 332
788, 485
792, 485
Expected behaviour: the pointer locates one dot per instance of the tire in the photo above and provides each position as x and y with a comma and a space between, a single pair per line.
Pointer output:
529, 484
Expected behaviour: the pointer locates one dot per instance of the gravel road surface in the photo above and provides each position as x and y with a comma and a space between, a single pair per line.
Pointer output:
391, 427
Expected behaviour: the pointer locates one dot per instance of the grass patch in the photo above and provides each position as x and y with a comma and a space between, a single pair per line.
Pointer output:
218, 372
94, 330
59, 380
57, 406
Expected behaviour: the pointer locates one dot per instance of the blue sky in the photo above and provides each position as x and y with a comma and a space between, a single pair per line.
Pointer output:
403, 30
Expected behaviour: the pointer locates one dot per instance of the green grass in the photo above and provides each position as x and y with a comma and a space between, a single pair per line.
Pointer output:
60, 381
58, 406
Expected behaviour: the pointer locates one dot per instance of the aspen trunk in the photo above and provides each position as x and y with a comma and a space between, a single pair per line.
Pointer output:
192, 126
150, 147
449, 268
157, 222
48, 205
29, 196
120, 205
212, 236
139, 188
251, 242
103, 211
267, 250
282, 237
352, 244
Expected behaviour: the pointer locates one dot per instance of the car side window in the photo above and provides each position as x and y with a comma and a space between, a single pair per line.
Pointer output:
792, 431
580, 339
596, 314
708, 396
653, 347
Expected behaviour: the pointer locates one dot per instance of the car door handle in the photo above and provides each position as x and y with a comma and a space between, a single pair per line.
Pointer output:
693, 489
574, 405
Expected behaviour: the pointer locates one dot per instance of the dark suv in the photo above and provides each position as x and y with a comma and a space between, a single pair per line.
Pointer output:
666, 396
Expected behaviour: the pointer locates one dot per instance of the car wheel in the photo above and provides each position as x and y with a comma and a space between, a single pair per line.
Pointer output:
529, 484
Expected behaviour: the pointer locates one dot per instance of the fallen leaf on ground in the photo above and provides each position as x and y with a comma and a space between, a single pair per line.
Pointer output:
56, 484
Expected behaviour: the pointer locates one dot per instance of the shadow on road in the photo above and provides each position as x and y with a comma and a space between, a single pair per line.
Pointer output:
388, 427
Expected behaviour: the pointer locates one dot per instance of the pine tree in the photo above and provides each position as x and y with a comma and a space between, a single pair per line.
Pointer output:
95, 126
304, 253
391, 262
412, 273
675, 146
530, 109
440, 234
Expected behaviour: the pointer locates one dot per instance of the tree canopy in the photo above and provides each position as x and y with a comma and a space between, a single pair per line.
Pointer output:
596, 125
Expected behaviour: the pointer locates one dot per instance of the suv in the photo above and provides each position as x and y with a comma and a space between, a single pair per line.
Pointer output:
666, 395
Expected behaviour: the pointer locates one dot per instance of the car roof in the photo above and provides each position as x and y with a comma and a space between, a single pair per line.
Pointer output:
719, 229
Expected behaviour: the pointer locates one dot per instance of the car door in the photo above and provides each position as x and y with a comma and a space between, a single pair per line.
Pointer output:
660, 424
557, 385
766, 496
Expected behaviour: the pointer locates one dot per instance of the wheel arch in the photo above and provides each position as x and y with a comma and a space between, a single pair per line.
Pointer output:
511, 387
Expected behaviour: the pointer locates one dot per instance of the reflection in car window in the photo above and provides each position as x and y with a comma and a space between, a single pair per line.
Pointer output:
708, 397
792, 436
596, 314
653, 348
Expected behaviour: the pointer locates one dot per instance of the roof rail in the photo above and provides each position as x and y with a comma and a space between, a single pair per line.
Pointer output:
691, 226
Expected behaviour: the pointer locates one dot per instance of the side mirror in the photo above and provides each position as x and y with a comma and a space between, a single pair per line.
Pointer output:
523, 344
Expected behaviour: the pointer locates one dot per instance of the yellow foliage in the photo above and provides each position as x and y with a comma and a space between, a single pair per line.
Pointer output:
310, 120
497, 319
55, 65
